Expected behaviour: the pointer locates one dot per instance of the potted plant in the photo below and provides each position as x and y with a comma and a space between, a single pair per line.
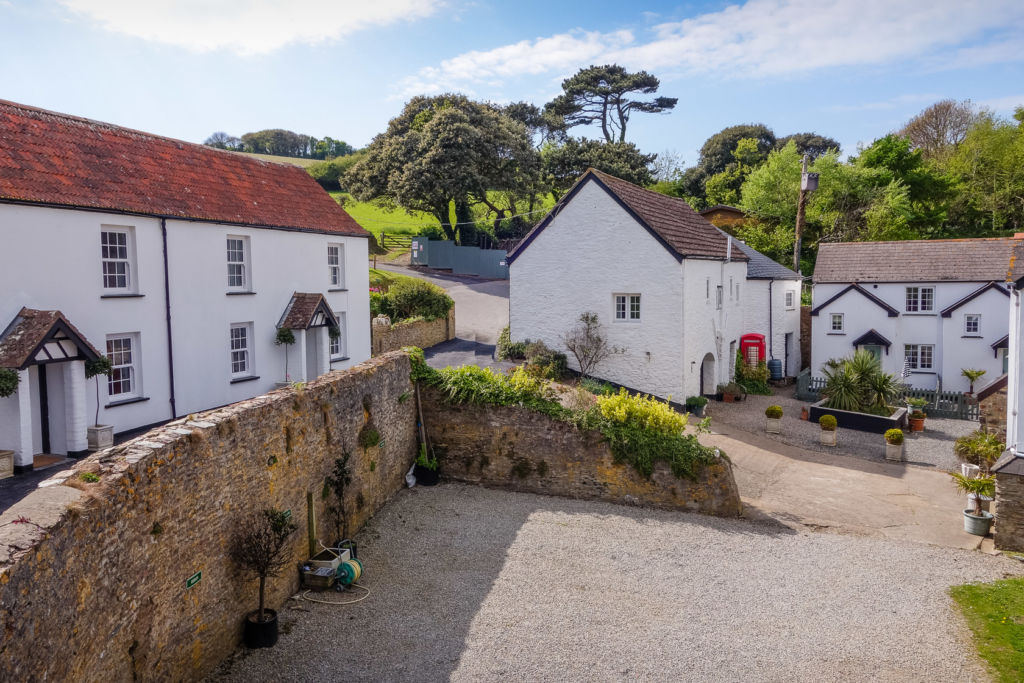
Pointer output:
773, 419
8, 385
917, 416
259, 549
976, 520
828, 424
99, 436
978, 451
695, 405
805, 413
426, 468
972, 377
731, 392
284, 337
894, 444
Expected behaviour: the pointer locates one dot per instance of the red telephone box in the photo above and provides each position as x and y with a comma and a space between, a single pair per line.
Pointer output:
753, 349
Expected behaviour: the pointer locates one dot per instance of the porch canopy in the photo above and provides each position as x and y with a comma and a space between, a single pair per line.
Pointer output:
306, 310
40, 337
872, 338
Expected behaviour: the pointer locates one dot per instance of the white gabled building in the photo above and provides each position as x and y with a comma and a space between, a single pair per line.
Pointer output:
175, 260
668, 287
1015, 352
938, 306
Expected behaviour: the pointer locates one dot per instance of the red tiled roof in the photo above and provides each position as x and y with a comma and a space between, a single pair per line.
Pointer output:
955, 260
672, 221
53, 158
298, 315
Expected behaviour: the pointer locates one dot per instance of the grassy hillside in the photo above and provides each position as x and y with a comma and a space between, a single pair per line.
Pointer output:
295, 161
377, 219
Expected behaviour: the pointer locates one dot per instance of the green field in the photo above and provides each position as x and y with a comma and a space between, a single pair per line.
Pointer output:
377, 219
295, 161
995, 613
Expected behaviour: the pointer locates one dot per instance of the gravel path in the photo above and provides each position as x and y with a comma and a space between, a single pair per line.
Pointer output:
472, 584
930, 448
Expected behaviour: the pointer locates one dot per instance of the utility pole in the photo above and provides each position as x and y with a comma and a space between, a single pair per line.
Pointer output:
808, 183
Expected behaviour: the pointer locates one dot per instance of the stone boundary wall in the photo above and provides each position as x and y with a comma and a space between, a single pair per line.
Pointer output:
102, 595
523, 450
992, 408
1009, 511
805, 337
423, 334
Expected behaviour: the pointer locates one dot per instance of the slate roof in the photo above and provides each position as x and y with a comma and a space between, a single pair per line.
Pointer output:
956, 260
298, 315
21, 340
56, 159
760, 267
670, 220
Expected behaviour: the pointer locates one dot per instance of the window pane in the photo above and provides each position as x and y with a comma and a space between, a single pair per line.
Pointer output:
119, 351
910, 355
634, 307
927, 298
925, 354
911, 299
620, 308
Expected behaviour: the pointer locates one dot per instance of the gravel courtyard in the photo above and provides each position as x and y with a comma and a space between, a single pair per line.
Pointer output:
931, 448
476, 584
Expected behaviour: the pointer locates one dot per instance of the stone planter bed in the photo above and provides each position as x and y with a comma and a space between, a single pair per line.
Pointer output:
930, 448
875, 424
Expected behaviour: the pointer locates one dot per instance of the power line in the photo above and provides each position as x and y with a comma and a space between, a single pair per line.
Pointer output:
433, 225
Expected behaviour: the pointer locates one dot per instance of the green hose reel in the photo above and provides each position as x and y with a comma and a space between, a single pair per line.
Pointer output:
349, 572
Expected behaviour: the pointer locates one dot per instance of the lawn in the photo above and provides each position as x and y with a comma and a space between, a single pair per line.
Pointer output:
995, 613
378, 219
383, 279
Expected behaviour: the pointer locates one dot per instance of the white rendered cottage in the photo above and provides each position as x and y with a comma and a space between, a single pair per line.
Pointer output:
1015, 369
936, 306
177, 261
668, 287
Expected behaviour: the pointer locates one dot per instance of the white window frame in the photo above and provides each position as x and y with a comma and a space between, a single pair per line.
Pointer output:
123, 350
629, 307
244, 265
790, 300
241, 345
113, 258
976, 317
914, 301
338, 348
913, 353
832, 323
336, 265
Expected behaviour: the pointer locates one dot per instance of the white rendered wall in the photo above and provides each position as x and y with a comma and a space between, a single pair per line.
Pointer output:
1015, 376
590, 251
756, 307
708, 329
51, 260
951, 353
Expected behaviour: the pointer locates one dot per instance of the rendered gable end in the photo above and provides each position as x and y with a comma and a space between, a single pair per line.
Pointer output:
591, 250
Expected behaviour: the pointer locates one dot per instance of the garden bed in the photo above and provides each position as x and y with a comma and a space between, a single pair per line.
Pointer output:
864, 422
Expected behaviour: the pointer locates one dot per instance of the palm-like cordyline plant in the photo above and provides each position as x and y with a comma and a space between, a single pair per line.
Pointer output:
858, 384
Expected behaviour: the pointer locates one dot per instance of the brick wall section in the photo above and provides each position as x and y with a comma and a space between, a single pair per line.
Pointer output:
992, 413
423, 334
102, 597
522, 450
1009, 511
805, 337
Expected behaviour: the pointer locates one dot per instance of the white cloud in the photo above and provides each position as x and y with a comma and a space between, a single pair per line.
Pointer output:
245, 26
763, 38
893, 103
1003, 104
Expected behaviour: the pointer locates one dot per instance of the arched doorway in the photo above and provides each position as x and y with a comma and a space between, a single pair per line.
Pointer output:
707, 375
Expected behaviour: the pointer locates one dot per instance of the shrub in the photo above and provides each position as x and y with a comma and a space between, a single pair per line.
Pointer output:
894, 436
644, 411
412, 297
587, 343
979, 448
858, 384
89, 477
918, 415
828, 423
753, 378
696, 401
8, 382
545, 362
508, 349
774, 412
483, 386
379, 305
597, 387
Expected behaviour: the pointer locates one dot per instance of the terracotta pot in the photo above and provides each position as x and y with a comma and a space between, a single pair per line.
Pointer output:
728, 398
916, 424
805, 414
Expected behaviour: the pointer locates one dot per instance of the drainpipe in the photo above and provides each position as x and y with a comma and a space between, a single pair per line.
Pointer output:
167, 310
771, 337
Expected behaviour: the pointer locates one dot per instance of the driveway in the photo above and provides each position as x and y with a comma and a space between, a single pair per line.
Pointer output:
481, 312
471, 584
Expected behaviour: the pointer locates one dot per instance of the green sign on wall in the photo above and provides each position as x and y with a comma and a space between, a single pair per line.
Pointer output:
193, 580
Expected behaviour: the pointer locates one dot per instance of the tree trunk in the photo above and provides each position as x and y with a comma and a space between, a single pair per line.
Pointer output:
259, 615
463, 215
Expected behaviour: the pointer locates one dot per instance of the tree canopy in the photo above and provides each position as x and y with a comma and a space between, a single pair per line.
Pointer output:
280, 142
940, 128
605, 95
564, 164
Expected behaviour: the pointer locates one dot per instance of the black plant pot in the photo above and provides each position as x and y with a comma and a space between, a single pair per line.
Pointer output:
260, 634
426, 476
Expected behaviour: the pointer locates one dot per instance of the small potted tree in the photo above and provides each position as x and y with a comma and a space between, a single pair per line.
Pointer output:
284, 337
828, 424
695, 405
99, 436
259, 549
972, 377
976, 520
978, 451
8, 385
773, 419
894, 445
426, 468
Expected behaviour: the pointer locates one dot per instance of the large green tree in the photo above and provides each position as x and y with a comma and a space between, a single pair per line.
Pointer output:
446, 151
564, 164
811, 144
606, 95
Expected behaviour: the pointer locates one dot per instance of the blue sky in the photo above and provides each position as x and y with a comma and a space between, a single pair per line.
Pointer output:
852, 70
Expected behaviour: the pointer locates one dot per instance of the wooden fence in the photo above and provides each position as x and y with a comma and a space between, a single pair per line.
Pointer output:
390, 242
951, 404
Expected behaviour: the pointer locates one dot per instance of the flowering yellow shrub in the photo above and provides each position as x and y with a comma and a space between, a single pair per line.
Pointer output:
645, 412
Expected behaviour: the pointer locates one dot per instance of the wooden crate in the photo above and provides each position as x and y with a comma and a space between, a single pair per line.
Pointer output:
6, 464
